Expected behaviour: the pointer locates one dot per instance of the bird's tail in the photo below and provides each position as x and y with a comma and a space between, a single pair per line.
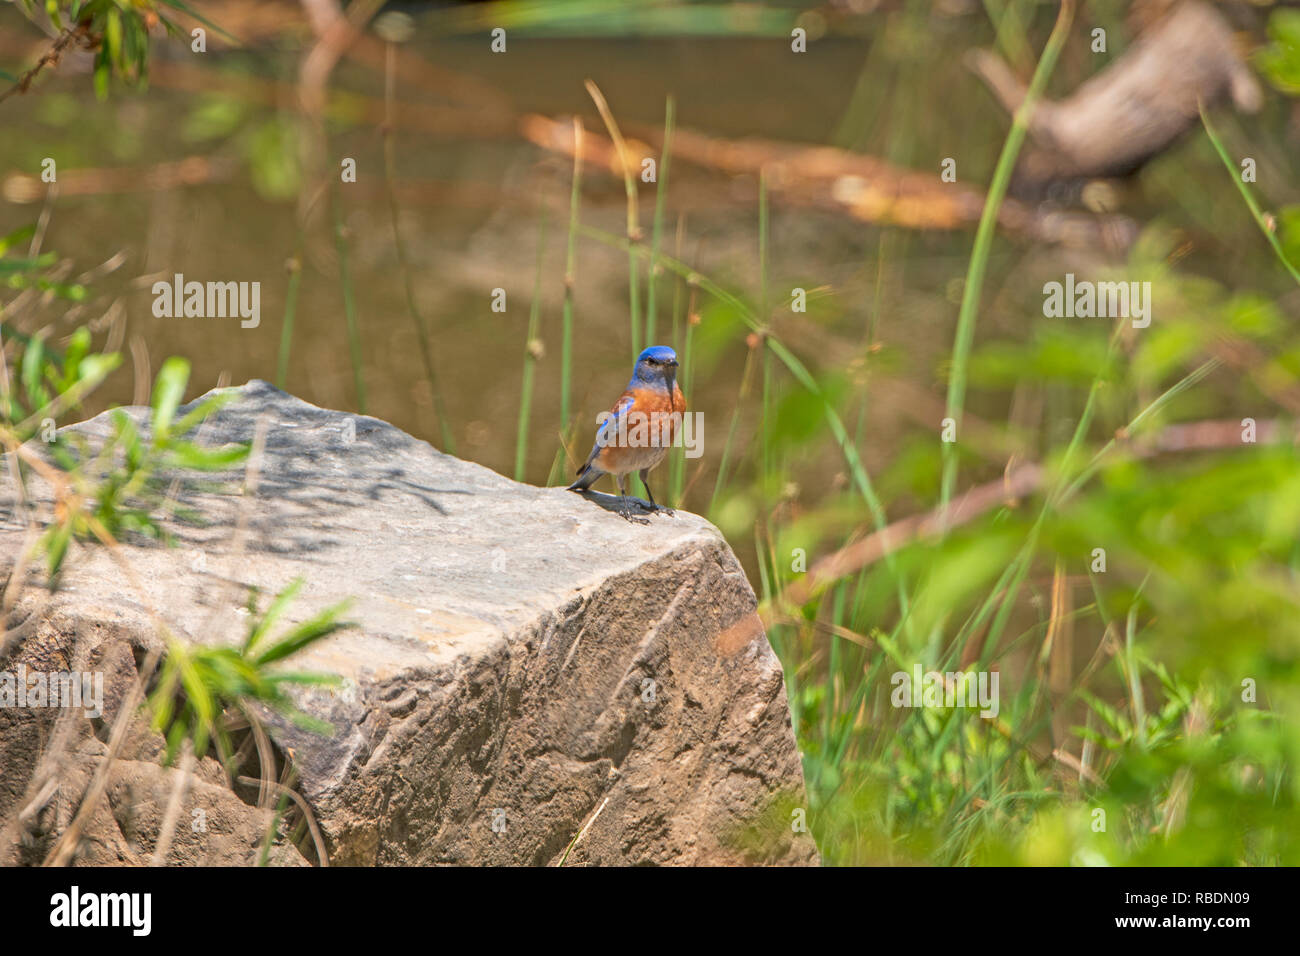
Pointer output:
586, 478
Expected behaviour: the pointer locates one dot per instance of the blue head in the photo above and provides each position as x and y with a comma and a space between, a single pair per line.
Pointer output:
656, 366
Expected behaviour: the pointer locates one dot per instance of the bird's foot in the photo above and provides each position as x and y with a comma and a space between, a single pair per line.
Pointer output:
626, 507
649, 507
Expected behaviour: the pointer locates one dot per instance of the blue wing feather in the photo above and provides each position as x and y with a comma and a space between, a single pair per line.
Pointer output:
610, 427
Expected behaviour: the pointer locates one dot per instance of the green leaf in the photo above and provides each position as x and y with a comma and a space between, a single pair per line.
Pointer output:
1280, 60
8, 266
163, 699
78, 347
136, 49
273, 159
198, 696
320, 626
32, 373
214, 118
167, 393
21, 234
129, 437
57, 546
259, 630
189, 455
101, 74
179, 731
113, 36
305, 677
95, 368
308, 722
201, 411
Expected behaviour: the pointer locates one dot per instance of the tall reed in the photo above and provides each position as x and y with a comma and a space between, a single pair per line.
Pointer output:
570, 277
633, 224
661, 195
403, 260
532, 352
974, 285
349, 307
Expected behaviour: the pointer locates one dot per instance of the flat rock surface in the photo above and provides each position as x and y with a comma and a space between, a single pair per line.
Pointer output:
526, 662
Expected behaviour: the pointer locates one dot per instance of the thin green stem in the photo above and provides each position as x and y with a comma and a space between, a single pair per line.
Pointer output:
570, 276
764, 315
1269, 233
983, 244
403, 261
290, 311
661, 196
633, 226
349, 308
530, 359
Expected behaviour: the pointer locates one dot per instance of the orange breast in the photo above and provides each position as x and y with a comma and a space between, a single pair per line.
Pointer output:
657, 411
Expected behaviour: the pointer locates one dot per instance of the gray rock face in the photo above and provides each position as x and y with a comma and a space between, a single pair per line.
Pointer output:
526, 664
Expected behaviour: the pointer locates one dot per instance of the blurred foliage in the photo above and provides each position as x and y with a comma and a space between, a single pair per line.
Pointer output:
1187, 702
33, 272
102, 489
1150, 704
122, 484
268, 143
1280, 59
272, 153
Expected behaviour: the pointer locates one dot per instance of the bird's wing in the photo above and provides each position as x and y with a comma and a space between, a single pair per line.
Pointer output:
609, 427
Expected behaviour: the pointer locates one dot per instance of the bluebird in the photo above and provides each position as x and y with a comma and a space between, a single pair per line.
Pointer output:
641, 426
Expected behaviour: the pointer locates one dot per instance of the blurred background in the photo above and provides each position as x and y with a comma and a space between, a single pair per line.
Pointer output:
844, 150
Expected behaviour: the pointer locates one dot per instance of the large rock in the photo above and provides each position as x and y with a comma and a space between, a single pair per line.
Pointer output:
526, 662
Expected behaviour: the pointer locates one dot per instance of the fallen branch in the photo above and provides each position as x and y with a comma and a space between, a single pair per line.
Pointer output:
1134, 109
864, 187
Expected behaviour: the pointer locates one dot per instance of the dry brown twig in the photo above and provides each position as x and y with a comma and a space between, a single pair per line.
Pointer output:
317, 840
79, 35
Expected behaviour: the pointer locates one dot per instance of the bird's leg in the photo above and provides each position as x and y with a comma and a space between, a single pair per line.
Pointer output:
645, 480
625, 506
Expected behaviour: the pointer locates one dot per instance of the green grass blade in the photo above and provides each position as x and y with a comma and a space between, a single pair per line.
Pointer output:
983, 244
